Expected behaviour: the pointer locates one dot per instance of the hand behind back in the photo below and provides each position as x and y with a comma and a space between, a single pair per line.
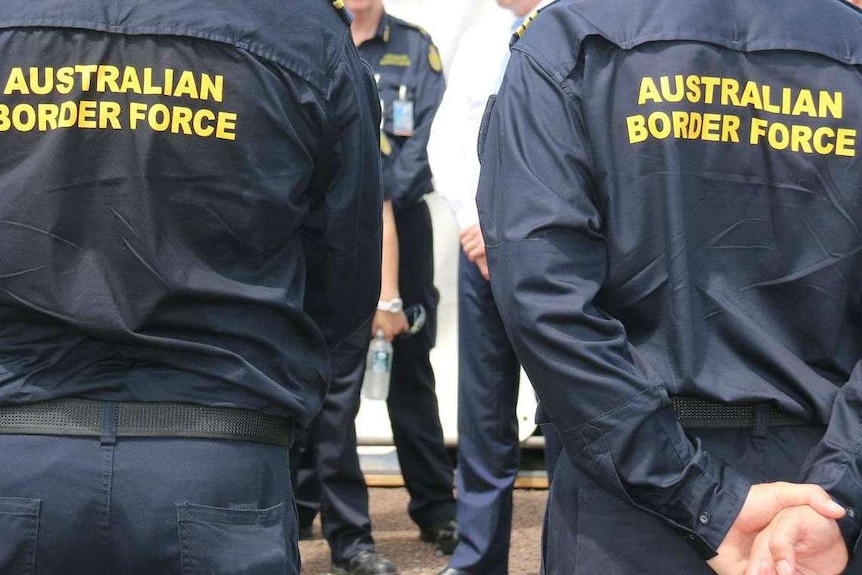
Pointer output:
763, 504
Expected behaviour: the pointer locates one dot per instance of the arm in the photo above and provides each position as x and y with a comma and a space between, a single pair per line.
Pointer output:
548, 261
836, 462
452, 147
407, 176
798, 540
452, 144
341, 236
392, 324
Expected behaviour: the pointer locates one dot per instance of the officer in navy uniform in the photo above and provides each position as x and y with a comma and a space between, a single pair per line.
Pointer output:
409, 77
672, 204
189, 220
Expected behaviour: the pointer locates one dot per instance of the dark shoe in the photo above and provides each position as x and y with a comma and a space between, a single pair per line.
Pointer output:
365, 563
452, 571
443, 536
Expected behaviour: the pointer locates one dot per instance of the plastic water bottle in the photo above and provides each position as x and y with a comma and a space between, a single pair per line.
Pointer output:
378, 368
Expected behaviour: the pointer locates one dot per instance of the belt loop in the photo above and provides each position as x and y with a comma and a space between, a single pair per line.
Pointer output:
109, 423
761, 419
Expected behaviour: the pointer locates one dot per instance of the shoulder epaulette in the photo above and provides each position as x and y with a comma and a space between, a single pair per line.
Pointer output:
410, 25
522, 29
342, 11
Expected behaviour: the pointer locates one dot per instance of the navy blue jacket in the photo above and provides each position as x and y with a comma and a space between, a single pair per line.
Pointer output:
189, 200
402, 54
672, 203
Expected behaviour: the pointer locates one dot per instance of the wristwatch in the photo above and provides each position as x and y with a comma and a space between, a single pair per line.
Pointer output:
395, 305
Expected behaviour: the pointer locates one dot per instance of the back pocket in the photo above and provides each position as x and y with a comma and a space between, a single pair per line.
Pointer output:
19, 532
221, 541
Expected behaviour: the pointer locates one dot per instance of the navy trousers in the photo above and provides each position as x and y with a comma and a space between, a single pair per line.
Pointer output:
488, 448
412, 403
589, 531
327, 477
328, 471
141, 506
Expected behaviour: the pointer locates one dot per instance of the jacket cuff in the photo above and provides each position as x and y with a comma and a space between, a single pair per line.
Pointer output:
467, 215
846, 490
715, 499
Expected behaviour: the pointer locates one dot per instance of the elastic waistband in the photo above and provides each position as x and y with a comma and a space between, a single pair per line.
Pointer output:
693, 412
81, 417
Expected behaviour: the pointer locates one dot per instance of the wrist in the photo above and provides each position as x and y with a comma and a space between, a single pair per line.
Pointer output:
393, 305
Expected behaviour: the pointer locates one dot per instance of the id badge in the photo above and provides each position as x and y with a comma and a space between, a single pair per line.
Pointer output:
402, 117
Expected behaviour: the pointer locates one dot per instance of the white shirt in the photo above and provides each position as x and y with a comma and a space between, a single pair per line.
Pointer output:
474, 75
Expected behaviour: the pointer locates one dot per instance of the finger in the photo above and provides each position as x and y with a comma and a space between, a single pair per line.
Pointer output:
794, 494
476, 252
469, 246
760, 568
467, 238
760, 558
783, 553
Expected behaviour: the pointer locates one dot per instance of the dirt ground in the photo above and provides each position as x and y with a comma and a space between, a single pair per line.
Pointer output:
398, 539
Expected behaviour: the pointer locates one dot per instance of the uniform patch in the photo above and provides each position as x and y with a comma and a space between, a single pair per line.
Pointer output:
750, 114
210, 118
434, 59
402, 60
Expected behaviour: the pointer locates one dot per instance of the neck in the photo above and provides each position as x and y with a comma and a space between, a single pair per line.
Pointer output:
365, 23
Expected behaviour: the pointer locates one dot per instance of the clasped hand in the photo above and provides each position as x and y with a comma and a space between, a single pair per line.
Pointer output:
784, 529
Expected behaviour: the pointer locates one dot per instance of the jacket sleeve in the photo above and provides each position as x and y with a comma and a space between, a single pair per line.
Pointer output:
342, 234
836, 462
548, 260
407, 176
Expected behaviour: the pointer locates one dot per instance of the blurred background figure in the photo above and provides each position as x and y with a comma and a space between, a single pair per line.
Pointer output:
488, 371
408, 71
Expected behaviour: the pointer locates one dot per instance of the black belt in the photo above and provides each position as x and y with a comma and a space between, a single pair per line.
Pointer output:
83, 417
693, 412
